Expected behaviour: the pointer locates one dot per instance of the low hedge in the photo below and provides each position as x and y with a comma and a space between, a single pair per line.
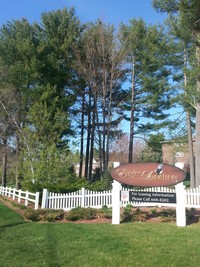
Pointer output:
88, 213
81, 214
44, 215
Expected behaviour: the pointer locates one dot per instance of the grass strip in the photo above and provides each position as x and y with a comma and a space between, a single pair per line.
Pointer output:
67, 244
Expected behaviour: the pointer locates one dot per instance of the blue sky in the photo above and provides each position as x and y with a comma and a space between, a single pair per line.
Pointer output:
110, 11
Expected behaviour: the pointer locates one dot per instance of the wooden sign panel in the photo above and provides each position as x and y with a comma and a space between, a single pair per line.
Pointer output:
148, 174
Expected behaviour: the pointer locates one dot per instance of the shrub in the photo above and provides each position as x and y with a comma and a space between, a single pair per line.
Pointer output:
129, 206
105, 212
168, 215
139, 215
89, 213
74, 214
168, 212
192, 216
154, 211
67, 186
81, 214
127, 215
44, 215
101, 185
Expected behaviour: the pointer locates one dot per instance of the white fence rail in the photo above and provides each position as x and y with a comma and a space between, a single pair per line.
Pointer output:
192, 198
81, 198
21, 195
86, 198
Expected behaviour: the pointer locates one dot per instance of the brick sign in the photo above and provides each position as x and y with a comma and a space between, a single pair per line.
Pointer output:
152, 197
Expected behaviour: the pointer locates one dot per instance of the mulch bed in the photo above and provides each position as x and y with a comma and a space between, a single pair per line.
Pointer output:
193, 215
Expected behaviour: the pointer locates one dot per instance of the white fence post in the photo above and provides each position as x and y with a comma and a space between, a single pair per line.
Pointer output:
37, 200
26, 198
82, 197
6, 191
44, 198
180, 205
9, 194
116, 202
19, 195
14, 193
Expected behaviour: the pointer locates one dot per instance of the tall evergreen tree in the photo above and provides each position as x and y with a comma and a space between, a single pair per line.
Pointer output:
149, 74
18, 56
7, 126
39, 60
189, 16
181, 58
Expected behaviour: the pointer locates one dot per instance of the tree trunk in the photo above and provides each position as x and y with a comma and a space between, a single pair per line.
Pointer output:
197, 143
191, 152
82, 136
197, 146
99, 139
106, 163
130, 155
189, 130
92, 144
88, 138
4, 164
104, 131
18, 151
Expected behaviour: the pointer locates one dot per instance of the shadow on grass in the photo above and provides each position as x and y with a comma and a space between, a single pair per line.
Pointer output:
53, 246
9, 218
11, 225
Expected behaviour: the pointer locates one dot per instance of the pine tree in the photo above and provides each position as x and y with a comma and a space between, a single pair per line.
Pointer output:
149, 95
188, 13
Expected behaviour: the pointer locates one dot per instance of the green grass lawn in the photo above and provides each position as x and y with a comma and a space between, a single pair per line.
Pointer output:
25, 244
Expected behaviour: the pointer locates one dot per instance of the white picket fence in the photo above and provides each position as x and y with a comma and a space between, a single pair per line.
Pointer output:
81, 198
86, 198
192, 198
20, 195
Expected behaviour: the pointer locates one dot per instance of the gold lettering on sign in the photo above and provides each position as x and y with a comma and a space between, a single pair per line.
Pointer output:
146, 175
